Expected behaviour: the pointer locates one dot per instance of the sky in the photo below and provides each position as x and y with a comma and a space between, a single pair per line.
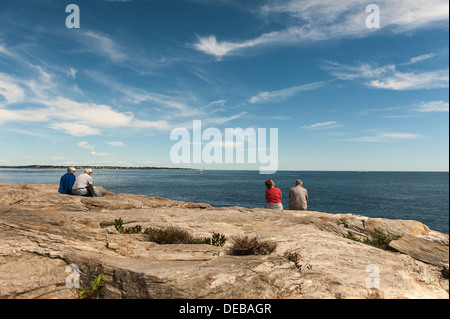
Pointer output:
342, 92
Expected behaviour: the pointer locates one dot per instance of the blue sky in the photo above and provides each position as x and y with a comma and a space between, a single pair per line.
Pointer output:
342, 96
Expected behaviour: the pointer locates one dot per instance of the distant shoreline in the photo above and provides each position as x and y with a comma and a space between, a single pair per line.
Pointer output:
200, 169
100, 167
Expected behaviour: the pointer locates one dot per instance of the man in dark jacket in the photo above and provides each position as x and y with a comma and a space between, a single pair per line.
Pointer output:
67, 181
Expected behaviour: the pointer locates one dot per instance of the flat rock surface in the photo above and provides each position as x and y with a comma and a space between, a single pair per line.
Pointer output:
45, 235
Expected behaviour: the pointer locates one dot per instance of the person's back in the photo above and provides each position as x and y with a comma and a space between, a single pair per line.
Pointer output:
273, 196
298, 197
82, 181
84, 185
66, 182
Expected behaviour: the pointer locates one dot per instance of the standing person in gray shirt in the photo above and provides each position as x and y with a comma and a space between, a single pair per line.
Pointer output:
298, 197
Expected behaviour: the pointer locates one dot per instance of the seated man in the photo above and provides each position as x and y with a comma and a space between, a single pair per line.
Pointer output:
298, 197
66, 182
83, 183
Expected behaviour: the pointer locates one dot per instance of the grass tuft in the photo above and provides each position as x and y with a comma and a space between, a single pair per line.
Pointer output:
251, 246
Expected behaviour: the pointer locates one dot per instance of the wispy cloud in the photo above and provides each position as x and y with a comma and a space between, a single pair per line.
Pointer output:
322, 125
321, 20
421, 58
277, 95
389, 77
44, 92
102, 154
176, 106
10, 91
433, 106
103, 45
85, 145
115, 144
75, 129
384, 137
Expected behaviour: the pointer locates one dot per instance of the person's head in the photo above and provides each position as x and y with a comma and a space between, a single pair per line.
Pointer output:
269, 183
88, 171
71, 170
298, 182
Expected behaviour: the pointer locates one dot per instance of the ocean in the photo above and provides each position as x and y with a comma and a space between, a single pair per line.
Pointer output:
421, 196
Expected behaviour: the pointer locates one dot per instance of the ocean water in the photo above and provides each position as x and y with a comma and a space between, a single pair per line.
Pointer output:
421, 196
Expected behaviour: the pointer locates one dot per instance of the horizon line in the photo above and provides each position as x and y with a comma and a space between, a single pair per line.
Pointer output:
46, 166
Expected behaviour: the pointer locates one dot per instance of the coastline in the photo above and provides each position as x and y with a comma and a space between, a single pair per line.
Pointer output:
98, 167
42, 232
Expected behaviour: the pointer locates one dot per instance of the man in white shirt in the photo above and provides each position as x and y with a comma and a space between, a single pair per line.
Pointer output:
82, 183
298, 197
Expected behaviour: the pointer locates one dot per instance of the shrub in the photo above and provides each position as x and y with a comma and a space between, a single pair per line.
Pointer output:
175, 235
379, 239
170, 235
118, 224
251, 246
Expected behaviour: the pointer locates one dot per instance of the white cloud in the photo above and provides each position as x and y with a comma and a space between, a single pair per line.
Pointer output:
387, 137
6, 52
22, 115
102, 45
312, 20
217, 103
172, 106
102, 154
223, 120
72, 73
116, 144
85, 145
421, 58
277, 95
389, 77
322, 126
433, 106
403, 81
75, 129
11, 92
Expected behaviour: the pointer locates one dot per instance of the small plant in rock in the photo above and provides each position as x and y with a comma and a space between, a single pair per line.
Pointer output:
351, 236
216, 240
294, 258
92, 292
251, 246
381, 240
378, 240
118, 224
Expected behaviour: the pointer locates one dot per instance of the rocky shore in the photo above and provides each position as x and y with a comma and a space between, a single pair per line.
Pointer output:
43, 232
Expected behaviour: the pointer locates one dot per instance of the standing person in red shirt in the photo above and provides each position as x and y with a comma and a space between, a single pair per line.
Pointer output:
273, 196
